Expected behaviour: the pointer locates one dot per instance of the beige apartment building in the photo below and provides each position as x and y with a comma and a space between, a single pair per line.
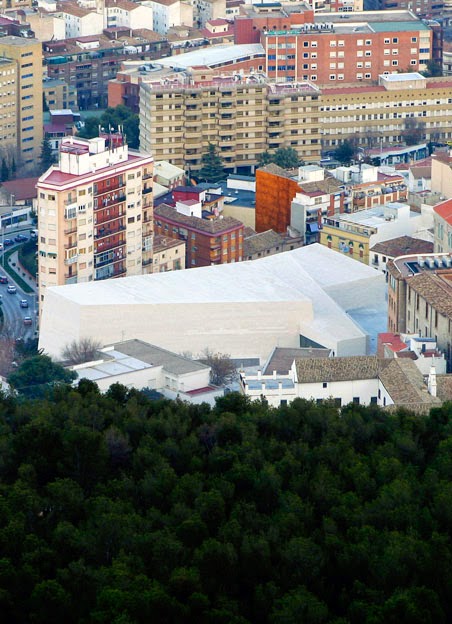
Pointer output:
242, 116
403, 106
246, 115
95, 213
8, 103
26, 57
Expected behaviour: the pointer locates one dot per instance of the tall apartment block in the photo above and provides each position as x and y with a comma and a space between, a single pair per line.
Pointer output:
21, 72
95, 212
242, 116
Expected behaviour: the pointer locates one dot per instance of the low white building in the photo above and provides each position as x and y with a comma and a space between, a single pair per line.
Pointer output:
306, 297
136, 364
364, 380
129, 14
79, 22
169, 13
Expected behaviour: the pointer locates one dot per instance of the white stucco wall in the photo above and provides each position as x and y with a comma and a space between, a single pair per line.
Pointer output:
364, 389
241, 330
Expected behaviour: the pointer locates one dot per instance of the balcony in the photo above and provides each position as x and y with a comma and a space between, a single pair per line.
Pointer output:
103, 202
112, 259
147, 176
145, 191
116, 272
70, 278
98, 220
71, 230
72, 260
101, 247
70, 245
104, 232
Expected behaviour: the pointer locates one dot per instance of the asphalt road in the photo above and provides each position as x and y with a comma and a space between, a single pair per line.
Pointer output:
13, 314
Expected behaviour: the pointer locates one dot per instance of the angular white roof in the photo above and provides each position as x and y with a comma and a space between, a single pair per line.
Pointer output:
300, 274
213, 55
245, 308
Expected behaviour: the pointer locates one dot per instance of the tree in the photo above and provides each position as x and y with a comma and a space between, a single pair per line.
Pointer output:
434, 68
265, 159
110, 120
37, 374
284, 157
414, 131
345, 152
212, 166
4, 171
46, 158
79, 351
222, 368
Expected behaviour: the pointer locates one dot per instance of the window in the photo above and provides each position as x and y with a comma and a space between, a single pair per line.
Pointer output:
356, 400
324, 385
395, 63
395, 40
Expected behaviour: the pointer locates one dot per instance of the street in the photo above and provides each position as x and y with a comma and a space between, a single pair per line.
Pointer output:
13, 314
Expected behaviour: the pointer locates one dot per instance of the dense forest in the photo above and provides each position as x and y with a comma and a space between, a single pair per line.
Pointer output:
119, 509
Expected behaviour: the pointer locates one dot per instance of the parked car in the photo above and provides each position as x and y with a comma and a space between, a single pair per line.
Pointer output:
21, 238
8, 242
23, 303
3, 279
28, 320
12, 289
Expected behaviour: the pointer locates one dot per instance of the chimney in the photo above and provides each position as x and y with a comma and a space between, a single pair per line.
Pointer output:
431, 383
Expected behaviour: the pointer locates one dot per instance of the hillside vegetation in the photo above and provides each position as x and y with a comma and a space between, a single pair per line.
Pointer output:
119, 509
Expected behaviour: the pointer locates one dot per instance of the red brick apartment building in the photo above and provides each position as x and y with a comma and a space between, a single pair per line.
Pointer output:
208, 241
331, 47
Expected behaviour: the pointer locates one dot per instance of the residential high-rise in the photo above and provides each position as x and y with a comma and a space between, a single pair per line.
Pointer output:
242, 115
95, 213
24, 56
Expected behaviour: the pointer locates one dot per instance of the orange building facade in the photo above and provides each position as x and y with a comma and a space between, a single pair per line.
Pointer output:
274, 194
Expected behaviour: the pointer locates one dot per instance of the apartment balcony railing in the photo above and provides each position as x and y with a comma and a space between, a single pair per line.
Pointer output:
103, 202
98, 220
101, 247
103, 233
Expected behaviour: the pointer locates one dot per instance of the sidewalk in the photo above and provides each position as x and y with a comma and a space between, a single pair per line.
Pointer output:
20, 271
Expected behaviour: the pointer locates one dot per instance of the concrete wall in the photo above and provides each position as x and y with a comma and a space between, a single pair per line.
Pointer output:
240, 330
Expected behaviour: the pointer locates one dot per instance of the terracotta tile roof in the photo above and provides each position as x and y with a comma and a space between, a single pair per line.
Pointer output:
444, 210
165, 242
436, 289
444, 387
402, 246
261, 242
275, 170
421, 172
392, 341
72, 9
282, 358
248, 231
122, 4
22, 189
210, 226
405, 385
315, 370
329, 185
